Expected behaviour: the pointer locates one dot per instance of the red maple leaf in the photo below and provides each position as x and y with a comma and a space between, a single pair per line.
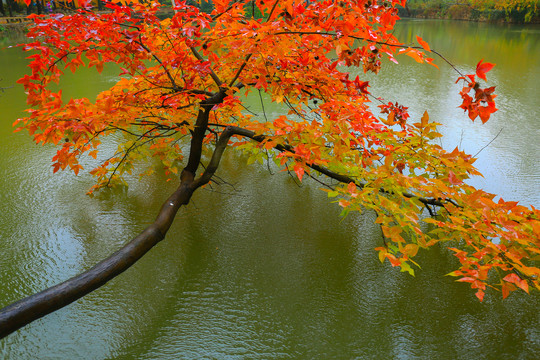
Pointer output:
482, 69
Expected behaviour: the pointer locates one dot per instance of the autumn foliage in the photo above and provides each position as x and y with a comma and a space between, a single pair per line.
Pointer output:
187, 78
530, 7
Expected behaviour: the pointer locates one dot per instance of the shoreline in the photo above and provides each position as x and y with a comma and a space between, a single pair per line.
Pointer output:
13, 32
15, 29
465, 13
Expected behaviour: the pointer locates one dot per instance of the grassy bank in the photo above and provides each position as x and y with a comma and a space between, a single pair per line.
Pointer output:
518, 11
11, 35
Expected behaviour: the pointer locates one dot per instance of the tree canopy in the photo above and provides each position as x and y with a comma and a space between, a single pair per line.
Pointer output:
180, 101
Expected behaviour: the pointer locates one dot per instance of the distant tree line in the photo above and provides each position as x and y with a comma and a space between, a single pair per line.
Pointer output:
16, 7
509, 10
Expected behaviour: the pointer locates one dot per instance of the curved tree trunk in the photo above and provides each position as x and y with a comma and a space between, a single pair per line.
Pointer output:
24, 311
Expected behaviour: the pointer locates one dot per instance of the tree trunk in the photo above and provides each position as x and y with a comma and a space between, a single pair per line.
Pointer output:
24, 311
8, 3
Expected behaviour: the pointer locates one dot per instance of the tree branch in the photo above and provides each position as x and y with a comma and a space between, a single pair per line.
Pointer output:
290, 32
173, 83
199, 131
246, 59
336, 176
212, 73
231, 83
26, 310
221, 145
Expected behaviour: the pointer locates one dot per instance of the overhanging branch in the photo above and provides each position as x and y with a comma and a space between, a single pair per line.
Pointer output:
331, 174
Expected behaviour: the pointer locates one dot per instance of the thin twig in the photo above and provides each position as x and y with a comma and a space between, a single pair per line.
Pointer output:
368, 40
212, 73
262, 104
492, 140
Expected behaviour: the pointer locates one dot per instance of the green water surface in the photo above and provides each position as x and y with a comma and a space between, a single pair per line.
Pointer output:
267, 269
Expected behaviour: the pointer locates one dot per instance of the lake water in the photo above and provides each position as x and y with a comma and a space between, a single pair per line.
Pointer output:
267, 269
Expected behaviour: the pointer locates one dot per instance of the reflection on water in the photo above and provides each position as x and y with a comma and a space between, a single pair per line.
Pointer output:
267, 270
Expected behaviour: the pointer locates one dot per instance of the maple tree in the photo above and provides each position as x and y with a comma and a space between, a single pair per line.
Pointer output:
180, 99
